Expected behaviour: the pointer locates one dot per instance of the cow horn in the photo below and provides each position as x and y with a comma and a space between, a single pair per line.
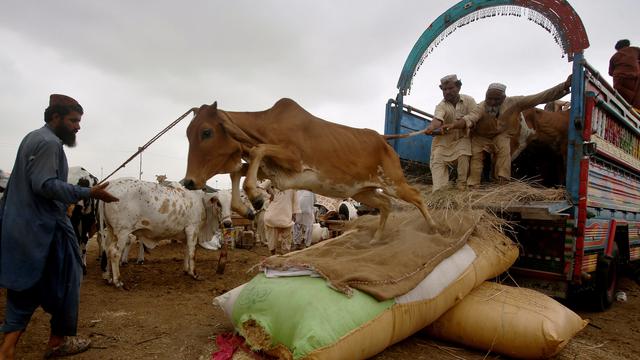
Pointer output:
214, 106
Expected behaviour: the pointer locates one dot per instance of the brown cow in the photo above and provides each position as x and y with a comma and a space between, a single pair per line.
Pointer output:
547, 131
296, 150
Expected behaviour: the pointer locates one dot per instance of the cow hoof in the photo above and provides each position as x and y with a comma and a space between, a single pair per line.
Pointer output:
140, 262
257, 203
119, 285
250, 215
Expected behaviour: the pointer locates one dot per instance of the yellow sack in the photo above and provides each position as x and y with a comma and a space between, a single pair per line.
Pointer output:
517, 322
495, 254
485, 256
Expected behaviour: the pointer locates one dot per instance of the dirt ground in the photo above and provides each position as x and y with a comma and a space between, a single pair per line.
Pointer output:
167, 315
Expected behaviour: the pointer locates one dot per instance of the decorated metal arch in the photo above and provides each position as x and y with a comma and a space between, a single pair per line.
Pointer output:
555, 16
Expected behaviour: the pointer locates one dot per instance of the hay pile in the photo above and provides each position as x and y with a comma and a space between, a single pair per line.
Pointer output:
492, 196
490, 199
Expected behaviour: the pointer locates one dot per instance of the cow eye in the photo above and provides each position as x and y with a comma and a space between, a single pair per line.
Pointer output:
206, 133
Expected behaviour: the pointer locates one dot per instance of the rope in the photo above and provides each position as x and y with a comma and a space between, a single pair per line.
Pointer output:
145, 146
414, 133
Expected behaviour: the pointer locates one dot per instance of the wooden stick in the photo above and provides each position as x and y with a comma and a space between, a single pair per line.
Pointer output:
150, 339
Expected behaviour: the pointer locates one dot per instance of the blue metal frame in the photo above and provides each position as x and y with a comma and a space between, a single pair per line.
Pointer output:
402, 122
575, 152
457, 11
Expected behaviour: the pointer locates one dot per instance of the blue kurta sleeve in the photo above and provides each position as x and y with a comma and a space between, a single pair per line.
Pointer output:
42, 163
45, 175
64, 192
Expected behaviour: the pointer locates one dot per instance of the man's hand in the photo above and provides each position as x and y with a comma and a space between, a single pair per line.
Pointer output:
456, 124
435, 125
99, 192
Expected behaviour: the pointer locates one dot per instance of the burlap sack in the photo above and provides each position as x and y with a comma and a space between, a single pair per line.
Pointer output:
517, 322
492, 255
407, 254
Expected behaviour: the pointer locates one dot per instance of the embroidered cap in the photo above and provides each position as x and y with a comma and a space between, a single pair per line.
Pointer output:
448, 78
498, 86
58, 99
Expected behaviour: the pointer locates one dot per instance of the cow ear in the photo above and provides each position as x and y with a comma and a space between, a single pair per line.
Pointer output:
229, 127
210, 198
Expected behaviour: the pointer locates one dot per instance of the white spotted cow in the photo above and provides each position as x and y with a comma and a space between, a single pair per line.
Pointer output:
152, 212
220, 198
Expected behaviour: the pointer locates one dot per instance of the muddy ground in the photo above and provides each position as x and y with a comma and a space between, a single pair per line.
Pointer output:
167, 315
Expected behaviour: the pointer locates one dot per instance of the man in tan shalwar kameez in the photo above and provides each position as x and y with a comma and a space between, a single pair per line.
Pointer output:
494, 121
452, 147
278, 221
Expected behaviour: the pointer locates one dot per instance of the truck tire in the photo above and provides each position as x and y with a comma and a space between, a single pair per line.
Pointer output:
606, 280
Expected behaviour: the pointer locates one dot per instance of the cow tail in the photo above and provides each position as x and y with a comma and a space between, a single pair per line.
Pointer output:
100, 219
101, 236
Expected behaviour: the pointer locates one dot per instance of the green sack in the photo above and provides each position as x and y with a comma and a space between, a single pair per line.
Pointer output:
302, 313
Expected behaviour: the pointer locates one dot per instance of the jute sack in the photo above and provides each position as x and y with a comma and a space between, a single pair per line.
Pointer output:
494, 255
316, 322
517, 322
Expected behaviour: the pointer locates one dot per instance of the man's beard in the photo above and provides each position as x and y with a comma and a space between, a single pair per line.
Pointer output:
67, 136
451, 99
492, 110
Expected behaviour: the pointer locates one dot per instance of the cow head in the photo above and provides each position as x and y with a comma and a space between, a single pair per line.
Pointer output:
215, 146
211, 222
222, 200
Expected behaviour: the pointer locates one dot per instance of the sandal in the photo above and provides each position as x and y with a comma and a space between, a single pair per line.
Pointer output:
72, 345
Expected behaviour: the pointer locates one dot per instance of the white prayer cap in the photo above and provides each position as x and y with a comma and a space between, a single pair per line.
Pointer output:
498, 86
448, 78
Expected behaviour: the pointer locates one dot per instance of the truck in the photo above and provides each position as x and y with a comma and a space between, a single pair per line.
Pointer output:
573, 248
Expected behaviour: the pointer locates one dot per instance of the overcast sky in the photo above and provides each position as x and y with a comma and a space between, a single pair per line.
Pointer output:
135, 66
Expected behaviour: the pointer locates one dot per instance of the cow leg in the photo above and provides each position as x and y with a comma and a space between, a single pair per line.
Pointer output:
106, 239
140, 259
190, 253
409, 194
83, 250
236, 204
400, 188
123, 239
376, 199
124, 260
283, 156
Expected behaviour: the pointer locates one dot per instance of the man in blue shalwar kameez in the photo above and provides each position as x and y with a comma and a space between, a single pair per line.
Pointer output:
40, 262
